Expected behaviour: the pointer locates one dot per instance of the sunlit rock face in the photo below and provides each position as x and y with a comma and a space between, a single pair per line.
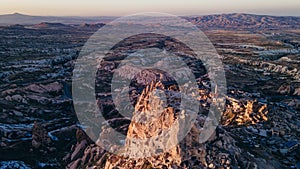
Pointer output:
244, 112
151, 116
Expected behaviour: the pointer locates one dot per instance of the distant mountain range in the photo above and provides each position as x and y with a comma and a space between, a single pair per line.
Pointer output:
17, 18
226, 21
245, 21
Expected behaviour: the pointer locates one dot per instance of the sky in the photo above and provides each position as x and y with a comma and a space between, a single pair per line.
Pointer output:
127, 7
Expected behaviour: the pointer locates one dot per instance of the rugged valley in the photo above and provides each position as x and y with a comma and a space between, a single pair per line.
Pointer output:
259, 127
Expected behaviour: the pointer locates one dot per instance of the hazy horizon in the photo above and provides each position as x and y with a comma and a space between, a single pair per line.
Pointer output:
204, 14
121, 7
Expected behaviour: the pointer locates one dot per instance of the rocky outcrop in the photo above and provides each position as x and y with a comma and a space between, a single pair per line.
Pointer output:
244, 112
151, 118
84, 152
271, 67
40, 137
49, 25
53, 88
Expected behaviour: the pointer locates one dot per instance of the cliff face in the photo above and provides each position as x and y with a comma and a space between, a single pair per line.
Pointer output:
151, 118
